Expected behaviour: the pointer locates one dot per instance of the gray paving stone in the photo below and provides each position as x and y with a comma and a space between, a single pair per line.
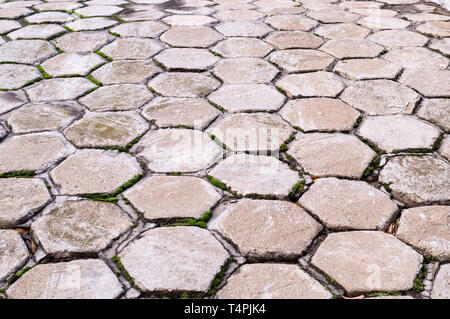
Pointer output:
352, 48
14, 76
59, 89
243, 29
245, 70
238, 15
191, 37
242, 47
341, 31
9, 25
50, 16
132, 48
50, 6
398, 38
26, 51
299, 60
85, 41
145, 14
144, 29
435, 28
366, 69
72, 64
332, 16
11, 100
188, 20
287, 22
14, 13
444, 148
175, 59
96, 11
441, 289
311, 84
183, 84
419, 58
430, 83
125, 71
441, 45
44, 31
13, 252
381, 22
293, 40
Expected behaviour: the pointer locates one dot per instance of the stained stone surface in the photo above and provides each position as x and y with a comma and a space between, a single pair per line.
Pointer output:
366, 69
435, 28
59, 89
352, 48
291, 23
245, 70
82, 41
381, 22
78, 279
161, 197
13, 76
417, 179
242, 47
91, 24
336, 154
429, 83
183, 84
343, 204
441, 288
125, 71
153, 260
72, 64
31, 31
132, 48
341, 31
311, 84
293, 40
299, 60
13, 252
26, 51
254, 226
192, 37
145, 29
419, 58
11, 100
365, 261
398, 38
94, 171
186, 59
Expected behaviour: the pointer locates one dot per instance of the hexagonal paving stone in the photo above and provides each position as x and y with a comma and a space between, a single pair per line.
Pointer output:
441, 289
294, 40
21, 198
72, 64
48, 6
430, 83
245, 70
426, 228
94, 171
82, 41
242, 47
365, 261
251, 174
153, 261
266, 229
106, 129
417, 180
398, 38
341, 31
238, 15
117, 97
59, 89
93, 11
323, 154
172, 197
142, 15
343, 204
366, 69
88, 278
178, 150
290, 22
352, 48
79, 228
272, 281
311, 84
13, 76
435, 28
192, 37
26, 51
41, 31
377, 97
32, 152
190, 112
132, 48
38, 117
419, 58
8, 25
183, 84
398, 132
188, 20
14, 13
175, 59
243, 29
52, 16
320, 114
13, 252
245, 97
11, 100
436, 111
251, 132
144, 29
441, 45
380, 23
132, 71
332, 16
298, 60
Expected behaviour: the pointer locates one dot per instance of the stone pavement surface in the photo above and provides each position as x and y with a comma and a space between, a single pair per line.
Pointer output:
224, 149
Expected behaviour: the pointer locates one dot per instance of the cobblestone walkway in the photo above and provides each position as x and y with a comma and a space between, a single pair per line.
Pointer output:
224, 149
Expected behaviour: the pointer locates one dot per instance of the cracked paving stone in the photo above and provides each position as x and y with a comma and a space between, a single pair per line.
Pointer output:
293, 40
82, 41
144, 29
251, 132
247, 97
153, 261
193, 37
441, 288
14, 13
331, 154
132, 48
266, 229
178, 150
288, 22
13, 76
106, 129
341, 31
242, 47
332, 16
91, 24
352, 48
378, 97
320, 114
417, 180
435, 28
13, 252
238, 15
366, 261
79, 228
277, 281
78, 279
245, 70
398, 38
11, 100
426, 228
251, 174
41, 31
72, 64
183, 84
174, 59
8, 25
430, 83
96, 11
188, 20
20, 199
398, 132
344, 204
366, 69
380, 23
420, 58
444, 149
117, 97
254, 29
121, 72
38, 117
299, 60
33, 152
50, 16
311, 84
94, 171
59, 89
190, 112
172, 197
441, 45
26, 51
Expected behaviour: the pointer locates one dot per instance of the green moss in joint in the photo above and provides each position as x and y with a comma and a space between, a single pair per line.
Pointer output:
216, 182
23, 174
